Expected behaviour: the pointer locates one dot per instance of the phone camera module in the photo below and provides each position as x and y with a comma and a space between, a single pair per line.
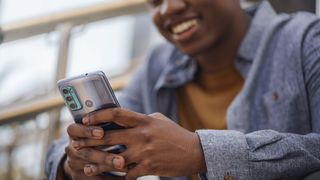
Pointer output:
65, 91
69, 98
72, 106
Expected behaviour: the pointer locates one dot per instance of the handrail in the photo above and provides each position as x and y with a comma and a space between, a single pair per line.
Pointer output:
30, 109
27, 28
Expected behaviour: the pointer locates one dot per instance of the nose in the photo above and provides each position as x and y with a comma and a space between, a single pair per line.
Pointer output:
171, 7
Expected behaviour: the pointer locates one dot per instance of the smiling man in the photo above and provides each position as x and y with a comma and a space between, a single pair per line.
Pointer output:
234, 95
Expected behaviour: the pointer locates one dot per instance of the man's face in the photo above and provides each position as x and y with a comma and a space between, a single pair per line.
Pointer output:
193, 26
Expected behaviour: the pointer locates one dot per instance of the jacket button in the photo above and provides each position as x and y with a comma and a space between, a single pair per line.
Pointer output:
170, 79
275, 96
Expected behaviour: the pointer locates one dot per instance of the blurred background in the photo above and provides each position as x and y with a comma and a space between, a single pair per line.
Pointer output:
44, 41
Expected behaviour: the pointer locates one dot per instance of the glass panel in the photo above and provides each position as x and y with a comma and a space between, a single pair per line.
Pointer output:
27, 68
103, 46
14, 10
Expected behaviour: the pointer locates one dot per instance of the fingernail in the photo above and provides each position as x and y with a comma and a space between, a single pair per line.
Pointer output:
97, 133
75, 144
117, 162
90, 169
86, 120
87, 170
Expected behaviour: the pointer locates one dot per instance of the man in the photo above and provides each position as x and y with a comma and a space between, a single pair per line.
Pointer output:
256, 74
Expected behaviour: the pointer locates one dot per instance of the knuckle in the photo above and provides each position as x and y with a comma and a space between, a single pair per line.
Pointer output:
108, 160
107, 138
75, 176
94, 116
148, 149
67, 150
145, 119
146, 135
131, 176
115, 113
156, 115
71, 164
88, 131
70, 129
85, 153
102, 169
83, 143
151, 167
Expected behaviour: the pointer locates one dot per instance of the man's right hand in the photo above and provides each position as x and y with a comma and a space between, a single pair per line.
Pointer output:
77, 164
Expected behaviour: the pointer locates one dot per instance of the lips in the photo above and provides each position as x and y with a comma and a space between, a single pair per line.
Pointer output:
184, 26
183, 30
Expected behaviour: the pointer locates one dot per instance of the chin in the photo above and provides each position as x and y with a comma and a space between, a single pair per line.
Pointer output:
195, 49
189, 51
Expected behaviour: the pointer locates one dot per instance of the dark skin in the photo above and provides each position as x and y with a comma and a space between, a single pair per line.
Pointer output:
77, 162
209, 31
149, 140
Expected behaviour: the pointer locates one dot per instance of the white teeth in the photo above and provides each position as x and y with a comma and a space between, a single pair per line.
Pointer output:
184, 26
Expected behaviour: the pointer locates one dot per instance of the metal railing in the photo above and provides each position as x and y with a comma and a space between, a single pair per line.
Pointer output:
318, 7
66, 21
63, 22
45, 24
25, 111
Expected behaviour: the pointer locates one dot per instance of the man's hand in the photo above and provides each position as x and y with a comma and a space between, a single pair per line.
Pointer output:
78, 162
155, 144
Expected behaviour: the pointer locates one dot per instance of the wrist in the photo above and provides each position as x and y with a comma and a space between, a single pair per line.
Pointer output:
199, 159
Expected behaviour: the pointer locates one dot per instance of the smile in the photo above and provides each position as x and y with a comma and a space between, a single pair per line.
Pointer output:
184, 30
184, 26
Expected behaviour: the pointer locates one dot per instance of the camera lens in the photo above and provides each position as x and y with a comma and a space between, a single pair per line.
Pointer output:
69, 98
65, 91
72, 106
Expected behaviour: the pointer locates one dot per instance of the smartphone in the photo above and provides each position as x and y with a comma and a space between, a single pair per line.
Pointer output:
88, 93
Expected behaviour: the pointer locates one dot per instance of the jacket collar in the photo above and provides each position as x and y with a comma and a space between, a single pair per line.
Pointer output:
263, 14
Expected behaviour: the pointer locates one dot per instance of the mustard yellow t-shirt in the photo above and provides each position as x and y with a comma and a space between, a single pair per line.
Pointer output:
203, 102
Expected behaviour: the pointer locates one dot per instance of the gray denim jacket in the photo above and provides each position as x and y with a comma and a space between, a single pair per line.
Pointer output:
273, 123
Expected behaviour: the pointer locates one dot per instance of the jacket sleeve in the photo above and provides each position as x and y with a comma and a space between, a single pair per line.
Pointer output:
263, 154
268, 154
54, 157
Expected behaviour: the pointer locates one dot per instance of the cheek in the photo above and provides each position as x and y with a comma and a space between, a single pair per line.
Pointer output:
157, 21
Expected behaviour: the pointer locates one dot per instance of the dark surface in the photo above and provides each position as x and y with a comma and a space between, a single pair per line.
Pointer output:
294, 5
289, 6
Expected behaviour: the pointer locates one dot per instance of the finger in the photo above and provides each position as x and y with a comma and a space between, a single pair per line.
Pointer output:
76, 164
77, 131
79, 175
119, 116
110, 138
137, 171
71, 152
115, 162
158, 116
131, 156
96, 169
